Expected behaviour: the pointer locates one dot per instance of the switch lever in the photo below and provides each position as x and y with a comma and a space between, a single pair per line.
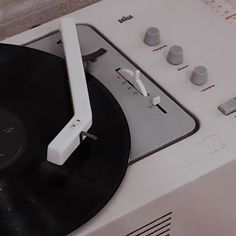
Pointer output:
94, 55
133, 77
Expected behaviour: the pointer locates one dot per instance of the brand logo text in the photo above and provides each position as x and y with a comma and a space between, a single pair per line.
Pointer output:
125, 18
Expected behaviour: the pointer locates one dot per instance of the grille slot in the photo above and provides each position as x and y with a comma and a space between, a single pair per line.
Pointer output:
158, 227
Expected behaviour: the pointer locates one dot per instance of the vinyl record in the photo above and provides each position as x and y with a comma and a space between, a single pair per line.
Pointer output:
38, 197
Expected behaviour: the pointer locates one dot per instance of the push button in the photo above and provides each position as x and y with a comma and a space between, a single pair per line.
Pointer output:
228, 107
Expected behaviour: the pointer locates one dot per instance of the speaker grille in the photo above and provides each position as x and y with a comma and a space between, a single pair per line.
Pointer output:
157, 227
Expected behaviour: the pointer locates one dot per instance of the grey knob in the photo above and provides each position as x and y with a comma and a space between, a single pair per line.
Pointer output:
199, 75
175, 55
152, 36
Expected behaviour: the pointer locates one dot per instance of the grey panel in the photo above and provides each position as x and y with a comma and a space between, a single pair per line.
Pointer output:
152, 127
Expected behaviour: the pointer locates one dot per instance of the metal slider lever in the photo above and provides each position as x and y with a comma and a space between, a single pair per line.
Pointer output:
64, 144
133, 77
94, 55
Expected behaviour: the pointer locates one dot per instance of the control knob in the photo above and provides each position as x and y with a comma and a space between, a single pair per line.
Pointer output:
175, 55
152, 36
199, 75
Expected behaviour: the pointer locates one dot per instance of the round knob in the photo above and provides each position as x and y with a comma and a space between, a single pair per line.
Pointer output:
152, 36
199, 75
175, 55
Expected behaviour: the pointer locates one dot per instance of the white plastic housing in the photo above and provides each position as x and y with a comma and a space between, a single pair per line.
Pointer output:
194, 178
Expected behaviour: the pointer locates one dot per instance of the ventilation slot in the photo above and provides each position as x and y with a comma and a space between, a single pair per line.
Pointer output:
158, 227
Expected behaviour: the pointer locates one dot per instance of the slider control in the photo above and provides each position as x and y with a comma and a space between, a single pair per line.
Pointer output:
133, 77
156, 100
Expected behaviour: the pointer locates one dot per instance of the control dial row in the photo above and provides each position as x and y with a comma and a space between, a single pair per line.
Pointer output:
175, 56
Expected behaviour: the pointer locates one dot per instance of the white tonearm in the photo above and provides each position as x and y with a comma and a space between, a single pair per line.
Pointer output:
64, 144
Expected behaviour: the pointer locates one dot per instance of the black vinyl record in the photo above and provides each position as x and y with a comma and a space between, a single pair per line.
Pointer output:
37, 197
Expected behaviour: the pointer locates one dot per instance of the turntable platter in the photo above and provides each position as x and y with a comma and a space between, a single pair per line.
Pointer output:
37, 197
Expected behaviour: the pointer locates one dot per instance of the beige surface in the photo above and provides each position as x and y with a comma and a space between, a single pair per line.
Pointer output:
19, 15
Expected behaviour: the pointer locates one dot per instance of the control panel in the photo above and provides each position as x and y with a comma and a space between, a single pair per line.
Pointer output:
155, 119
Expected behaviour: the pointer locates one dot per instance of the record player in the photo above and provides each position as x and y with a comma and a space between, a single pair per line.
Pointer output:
119, 119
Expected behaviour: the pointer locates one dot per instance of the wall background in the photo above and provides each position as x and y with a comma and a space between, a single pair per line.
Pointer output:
19, 15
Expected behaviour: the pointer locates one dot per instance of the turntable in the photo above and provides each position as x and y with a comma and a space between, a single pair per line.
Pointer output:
119, 119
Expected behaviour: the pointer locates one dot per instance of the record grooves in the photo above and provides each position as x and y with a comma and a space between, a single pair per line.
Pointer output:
37, 197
